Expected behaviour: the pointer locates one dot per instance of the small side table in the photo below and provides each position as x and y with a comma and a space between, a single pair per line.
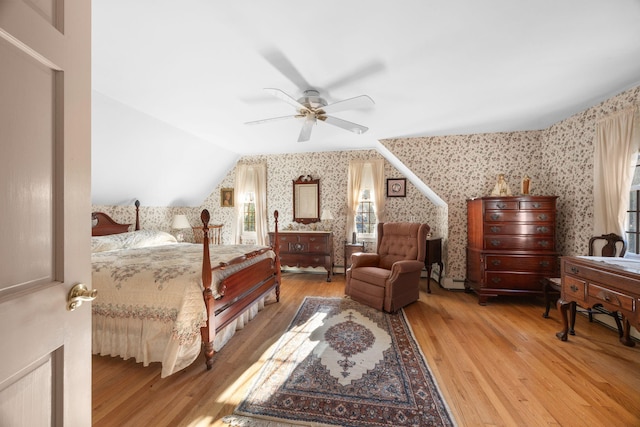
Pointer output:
433, 256
349, 249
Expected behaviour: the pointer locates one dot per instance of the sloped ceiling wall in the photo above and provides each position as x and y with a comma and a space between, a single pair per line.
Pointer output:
137, 156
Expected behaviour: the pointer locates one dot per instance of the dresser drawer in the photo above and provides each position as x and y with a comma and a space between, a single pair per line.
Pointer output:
515, 228
520, 216
548, 205
520, 243
574, 288
540, 264
302, 260
610, 299
501, 205
515, 281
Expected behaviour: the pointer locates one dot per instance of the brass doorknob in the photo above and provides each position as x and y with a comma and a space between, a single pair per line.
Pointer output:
78, 294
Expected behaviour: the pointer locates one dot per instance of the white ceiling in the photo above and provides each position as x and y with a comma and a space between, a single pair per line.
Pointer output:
175, 81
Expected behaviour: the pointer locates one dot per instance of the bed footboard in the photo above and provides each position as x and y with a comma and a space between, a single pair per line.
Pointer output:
241, 289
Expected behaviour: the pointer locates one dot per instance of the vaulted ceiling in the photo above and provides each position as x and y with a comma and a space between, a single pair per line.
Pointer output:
175, 81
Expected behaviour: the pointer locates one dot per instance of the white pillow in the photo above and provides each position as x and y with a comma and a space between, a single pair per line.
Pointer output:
132, 239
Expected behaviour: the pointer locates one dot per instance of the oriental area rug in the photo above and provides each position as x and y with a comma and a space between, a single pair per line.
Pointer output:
341, 363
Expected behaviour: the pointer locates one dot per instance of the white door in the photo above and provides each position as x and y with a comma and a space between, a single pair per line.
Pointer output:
45, 207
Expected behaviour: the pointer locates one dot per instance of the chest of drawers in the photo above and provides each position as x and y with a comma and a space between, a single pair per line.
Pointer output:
511, 245
306, 249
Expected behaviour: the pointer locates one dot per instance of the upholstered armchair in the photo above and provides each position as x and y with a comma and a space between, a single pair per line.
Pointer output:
389, 279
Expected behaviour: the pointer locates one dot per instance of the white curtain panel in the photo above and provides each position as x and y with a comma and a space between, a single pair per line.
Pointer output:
251, 178
616, 148
354, 185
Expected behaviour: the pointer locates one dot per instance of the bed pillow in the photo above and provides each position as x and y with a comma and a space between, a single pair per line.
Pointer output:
132, 239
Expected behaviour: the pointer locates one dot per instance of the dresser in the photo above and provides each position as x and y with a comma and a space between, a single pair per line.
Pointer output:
511, 245
306, 249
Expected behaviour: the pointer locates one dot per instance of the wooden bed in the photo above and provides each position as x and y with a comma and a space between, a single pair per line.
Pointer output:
235, 292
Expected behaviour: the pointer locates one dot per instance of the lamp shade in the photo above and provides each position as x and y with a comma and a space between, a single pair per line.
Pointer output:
326, 215
180, 222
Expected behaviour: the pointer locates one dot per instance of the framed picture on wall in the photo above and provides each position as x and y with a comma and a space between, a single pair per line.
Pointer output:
226, 197
396, 187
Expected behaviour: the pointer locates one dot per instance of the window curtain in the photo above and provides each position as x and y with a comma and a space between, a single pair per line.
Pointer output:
251, 178
354, 187
377, 168
616, 148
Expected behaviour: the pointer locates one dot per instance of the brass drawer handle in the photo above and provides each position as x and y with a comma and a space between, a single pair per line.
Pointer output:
501, 205
543, 243
496, 280
544, 263
495, 242
536, 205
496, 262
542, 229
574, 288
543, 217
495, 216
574, 270
495, 229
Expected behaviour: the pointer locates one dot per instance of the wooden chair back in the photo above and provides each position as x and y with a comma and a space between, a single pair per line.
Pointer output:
609, 245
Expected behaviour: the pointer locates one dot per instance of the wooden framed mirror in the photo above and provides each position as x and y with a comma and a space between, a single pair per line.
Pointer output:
306, 199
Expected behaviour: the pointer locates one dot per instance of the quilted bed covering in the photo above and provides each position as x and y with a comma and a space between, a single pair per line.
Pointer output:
150, 303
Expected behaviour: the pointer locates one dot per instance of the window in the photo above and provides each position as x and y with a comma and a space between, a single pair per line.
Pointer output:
366, 220
633, 214
249, 213
366, 214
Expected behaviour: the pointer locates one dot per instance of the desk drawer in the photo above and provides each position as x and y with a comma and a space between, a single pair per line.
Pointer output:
574, 288
612, 300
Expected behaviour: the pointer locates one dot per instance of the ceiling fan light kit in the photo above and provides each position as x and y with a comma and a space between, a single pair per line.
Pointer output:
312, 107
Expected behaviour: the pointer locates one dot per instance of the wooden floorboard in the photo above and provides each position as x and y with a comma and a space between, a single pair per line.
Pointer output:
496, 365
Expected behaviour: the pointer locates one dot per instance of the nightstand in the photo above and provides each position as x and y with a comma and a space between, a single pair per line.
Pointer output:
349, 249
433, 256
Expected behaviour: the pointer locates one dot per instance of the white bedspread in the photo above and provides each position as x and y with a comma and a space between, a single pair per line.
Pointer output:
150, 303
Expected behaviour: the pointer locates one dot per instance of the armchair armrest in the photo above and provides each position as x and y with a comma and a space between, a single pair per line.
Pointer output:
362, 259
406, 266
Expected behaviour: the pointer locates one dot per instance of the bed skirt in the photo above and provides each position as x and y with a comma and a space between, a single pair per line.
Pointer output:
149, 340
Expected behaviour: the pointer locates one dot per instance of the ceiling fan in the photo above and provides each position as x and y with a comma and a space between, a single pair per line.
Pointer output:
312, 107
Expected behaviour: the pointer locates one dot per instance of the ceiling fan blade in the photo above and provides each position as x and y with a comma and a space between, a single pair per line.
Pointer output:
286, 98
272, 119
344, 124
307, 126
355, 103
286, 68
361, 73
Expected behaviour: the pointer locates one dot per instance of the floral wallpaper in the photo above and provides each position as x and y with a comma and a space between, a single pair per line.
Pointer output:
559, 161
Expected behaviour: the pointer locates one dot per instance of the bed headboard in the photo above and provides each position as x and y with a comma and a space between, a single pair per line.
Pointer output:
103, 225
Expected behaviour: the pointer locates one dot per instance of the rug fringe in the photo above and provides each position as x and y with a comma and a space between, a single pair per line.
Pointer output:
243, 421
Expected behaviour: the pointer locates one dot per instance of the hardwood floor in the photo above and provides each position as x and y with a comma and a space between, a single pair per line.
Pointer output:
496, 365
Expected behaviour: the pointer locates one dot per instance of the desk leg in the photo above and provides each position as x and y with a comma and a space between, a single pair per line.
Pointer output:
563, 306
626, 339
429, 279
441, 265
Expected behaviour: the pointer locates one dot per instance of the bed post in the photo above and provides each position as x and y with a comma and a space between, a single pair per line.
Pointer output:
208, 332
276, 249
137, 203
